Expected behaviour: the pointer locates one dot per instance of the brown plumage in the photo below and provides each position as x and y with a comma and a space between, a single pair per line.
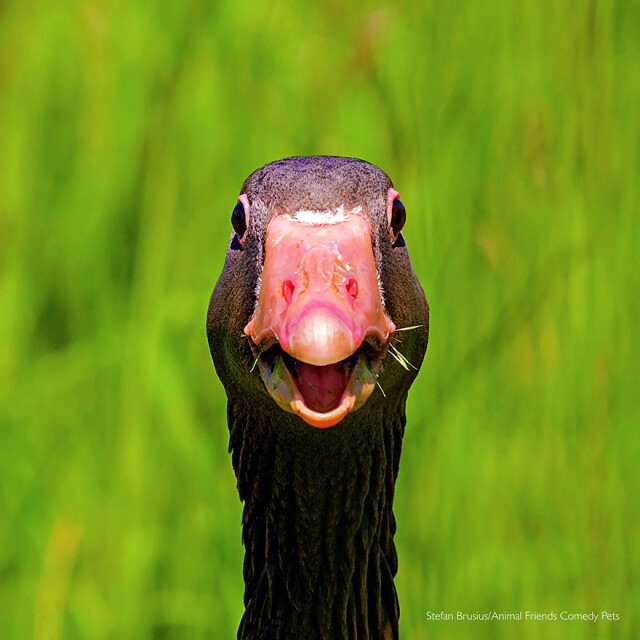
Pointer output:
318, 524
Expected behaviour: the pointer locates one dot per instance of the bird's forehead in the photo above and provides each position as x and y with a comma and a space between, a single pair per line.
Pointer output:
317, 184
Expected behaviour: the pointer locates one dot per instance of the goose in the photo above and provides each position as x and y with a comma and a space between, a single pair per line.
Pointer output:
317, 327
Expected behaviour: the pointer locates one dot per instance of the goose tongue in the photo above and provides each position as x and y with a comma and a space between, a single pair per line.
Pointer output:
321, 387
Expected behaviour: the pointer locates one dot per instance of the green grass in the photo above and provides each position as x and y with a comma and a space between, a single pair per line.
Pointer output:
512, 131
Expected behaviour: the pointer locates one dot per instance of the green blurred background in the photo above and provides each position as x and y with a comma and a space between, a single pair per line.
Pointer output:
512, 131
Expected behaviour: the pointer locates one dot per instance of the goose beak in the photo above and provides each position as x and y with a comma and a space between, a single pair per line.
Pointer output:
320, 301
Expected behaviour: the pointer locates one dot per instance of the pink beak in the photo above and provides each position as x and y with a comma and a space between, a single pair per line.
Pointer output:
319, 297
319, 294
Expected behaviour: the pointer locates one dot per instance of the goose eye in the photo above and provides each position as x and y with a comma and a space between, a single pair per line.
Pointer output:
398, 217
239, 220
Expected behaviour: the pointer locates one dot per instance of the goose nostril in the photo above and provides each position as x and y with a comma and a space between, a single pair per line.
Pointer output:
352, 288
287, 290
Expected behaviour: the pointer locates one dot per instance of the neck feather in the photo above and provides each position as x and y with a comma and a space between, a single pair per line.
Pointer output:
318, 524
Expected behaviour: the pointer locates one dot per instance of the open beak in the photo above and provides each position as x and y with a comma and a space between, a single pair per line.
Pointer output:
319, 331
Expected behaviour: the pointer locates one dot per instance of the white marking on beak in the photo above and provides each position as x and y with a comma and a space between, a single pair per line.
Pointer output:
324, 217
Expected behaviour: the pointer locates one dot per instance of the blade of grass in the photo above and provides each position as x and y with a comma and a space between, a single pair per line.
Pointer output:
399, 356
